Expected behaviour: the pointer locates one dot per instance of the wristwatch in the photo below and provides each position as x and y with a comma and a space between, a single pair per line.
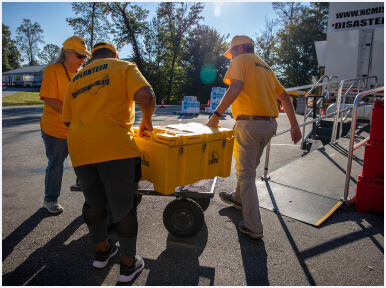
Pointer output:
217, 114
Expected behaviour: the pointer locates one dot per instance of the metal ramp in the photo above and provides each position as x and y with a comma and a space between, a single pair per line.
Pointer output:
309, 189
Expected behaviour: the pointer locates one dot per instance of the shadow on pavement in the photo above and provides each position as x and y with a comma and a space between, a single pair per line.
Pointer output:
57, 263
22, 231
253, 252
178, 265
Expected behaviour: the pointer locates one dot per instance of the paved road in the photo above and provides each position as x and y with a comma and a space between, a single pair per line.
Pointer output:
40, 249
8, 91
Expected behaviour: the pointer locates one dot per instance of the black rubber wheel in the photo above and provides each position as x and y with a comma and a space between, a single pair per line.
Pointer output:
203, 202
183, 217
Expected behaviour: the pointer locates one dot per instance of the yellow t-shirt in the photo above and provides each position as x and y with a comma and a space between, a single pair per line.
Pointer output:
100, 105
260, 89
54, 85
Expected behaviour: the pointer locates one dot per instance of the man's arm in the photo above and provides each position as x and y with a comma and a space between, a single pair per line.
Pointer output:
296, 135
54, 104
230, 96
145, 97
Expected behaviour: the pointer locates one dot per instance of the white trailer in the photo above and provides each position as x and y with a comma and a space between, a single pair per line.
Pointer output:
355, 42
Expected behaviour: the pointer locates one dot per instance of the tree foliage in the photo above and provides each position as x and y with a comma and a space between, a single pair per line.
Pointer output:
10, 53
49, 53
92, 24
130, 25
296, 54
28, 38
177, 20
266, 41
205, 65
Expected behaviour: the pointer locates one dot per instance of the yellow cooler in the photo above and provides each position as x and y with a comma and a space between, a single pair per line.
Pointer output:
182, 154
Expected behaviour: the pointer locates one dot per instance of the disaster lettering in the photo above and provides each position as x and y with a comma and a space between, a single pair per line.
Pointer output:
363, 22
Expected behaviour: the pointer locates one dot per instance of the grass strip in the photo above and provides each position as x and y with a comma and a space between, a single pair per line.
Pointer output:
22, 99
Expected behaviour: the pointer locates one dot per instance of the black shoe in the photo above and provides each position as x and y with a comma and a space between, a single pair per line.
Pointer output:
128, 273
102, 258
251, 234
228, 198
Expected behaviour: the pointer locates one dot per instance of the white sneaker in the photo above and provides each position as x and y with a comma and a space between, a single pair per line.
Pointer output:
53, 207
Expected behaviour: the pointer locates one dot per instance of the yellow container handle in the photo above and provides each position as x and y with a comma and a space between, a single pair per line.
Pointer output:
148, 135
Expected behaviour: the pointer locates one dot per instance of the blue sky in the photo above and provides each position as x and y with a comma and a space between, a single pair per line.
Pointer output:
235, 18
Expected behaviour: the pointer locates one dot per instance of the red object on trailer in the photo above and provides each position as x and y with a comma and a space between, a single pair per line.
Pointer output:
369, 195
203, 106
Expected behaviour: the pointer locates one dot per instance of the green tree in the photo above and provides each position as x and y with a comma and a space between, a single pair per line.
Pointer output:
10, 53
92, 24
296, 55
177, 20
130, 27
287, 11
204, 61
28, 38
265, 42
49, 53
154, 60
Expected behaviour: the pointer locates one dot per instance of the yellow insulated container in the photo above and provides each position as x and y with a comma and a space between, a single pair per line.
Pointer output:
182, 154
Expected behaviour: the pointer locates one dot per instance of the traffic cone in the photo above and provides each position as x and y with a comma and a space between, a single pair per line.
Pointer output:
162, 104
321, 112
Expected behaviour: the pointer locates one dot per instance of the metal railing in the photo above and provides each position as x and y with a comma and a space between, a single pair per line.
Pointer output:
338, 117
351, 148
305, 123
320, 83
268, 147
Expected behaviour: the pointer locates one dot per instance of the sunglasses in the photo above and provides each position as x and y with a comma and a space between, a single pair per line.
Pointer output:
79, 56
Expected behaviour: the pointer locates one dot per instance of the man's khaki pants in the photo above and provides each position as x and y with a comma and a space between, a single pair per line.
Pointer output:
251, 137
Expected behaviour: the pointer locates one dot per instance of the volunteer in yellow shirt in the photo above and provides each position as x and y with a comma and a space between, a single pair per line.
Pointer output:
55, 81
99, 108
253, 91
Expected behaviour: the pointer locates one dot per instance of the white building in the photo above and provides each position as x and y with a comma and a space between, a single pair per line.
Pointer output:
25, 76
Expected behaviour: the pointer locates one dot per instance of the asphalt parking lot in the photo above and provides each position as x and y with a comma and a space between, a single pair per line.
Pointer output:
41, 249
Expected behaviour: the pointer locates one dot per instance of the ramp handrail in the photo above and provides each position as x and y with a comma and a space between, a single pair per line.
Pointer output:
268, 147
351, 147
337, 117
320, 83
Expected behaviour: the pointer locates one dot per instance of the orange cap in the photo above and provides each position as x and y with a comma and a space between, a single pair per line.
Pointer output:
76, 43
104, 44
237, 40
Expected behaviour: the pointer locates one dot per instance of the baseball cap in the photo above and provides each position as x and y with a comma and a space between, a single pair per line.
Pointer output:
237, 40
104, 44
76, 43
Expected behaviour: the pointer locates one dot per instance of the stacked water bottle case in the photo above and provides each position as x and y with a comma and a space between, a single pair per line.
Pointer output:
370, 192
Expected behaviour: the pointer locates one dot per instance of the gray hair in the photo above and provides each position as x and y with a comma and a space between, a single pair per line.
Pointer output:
61, 56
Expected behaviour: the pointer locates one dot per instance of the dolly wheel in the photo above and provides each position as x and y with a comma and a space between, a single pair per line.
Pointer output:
203, 202
183, 218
